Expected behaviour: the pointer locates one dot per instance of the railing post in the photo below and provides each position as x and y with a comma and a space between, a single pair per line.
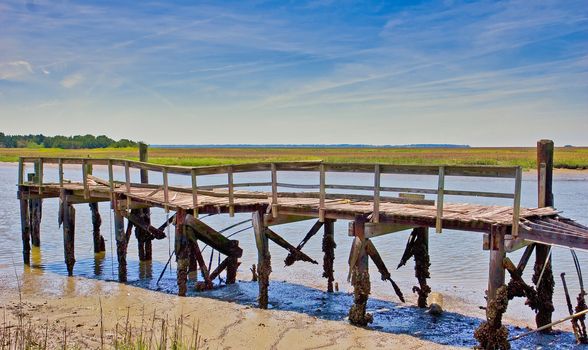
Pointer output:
40, 175
85, 179
231, 190
20, 170
274, 191
111, 183
440, 192
322, 194
194, 193
517, 203
376, 211
165, 190
60, 170
128, 183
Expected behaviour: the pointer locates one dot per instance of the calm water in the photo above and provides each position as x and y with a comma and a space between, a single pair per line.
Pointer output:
459, 265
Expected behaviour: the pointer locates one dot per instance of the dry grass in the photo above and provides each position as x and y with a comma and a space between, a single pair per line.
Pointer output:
571, 158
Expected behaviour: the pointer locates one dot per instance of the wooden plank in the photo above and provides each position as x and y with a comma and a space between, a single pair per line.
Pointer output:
440, 189
517, 203
296, 253
376, 212
357, 197
211, 237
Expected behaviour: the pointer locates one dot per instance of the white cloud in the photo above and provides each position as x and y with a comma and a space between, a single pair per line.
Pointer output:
72, 80
15, 70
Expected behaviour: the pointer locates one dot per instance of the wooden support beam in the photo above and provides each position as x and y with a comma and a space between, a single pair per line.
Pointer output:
525, 258
290, 259
220, 268
203, 268
329, 246
517, 203
545, 199
200, 231
378, 229
21, 171
277, 239
270, 220
182, 253
139, 222
360, 277
60, 172
379, 262
68, 216
121, 244
264, 266
422, 263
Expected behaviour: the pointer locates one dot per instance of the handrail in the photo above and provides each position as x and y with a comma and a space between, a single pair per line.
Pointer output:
378, 169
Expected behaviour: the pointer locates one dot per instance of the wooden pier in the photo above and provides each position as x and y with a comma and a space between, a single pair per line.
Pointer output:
383, 211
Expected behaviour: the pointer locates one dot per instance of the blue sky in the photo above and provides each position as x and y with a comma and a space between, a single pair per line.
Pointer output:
392, 72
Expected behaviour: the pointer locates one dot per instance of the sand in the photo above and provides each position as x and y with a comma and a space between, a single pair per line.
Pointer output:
74, 304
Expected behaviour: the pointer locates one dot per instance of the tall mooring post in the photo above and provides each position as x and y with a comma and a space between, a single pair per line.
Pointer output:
36, 206
542, 252
264, 265
360, 276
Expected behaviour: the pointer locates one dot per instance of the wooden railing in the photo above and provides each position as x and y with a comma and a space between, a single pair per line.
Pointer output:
313, 166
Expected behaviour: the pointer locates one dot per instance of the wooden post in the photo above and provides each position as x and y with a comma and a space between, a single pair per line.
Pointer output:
143, 240
194, 192
545, 199
182, 253
322, 193
121, 242
21, 170
329, 246
231, 190
36, 207
274, 191
440, 193
60, 171
360, 276
69, 229
496, 270
263, 258
232, 264
99, 245
376, 211
25, 227
517, 203
85, 179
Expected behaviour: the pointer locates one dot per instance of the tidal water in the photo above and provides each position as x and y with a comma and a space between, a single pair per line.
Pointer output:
459, 267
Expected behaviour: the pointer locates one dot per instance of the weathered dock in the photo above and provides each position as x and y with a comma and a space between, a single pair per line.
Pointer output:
505, 228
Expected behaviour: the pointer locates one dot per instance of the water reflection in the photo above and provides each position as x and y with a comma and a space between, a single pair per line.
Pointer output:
99, 263
146, 270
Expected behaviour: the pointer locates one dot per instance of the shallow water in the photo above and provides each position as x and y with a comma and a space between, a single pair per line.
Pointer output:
459, 265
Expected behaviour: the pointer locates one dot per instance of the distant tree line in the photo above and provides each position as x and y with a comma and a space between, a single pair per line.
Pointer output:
67, 142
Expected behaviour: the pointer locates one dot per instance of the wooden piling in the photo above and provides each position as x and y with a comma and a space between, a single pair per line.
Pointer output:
99, 244
121, 243
182, 253
491, 334
545, 199
496, 269
232, 264
69, 228
25, 229
360, 277
329, 246
421, 265
36, 207
263, 258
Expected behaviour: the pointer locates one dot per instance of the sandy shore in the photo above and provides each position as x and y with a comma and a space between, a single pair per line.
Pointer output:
222, 325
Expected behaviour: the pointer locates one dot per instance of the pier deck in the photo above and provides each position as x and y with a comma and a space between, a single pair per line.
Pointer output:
504, 228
